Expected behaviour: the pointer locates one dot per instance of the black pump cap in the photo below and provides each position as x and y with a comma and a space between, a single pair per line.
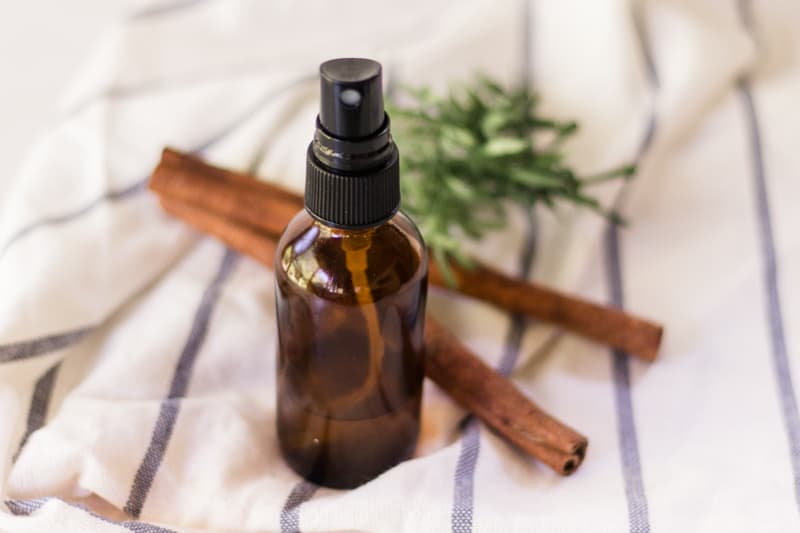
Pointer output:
351, 103
352, 171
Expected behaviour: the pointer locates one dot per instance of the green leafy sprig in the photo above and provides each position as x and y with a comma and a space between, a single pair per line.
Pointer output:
468, 155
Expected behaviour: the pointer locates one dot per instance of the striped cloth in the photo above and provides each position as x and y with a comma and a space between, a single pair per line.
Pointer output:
137, 356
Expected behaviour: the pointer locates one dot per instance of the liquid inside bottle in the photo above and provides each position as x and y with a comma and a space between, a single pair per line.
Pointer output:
350, 306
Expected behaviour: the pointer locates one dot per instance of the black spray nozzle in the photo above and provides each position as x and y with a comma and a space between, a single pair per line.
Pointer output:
352, 165
351, 105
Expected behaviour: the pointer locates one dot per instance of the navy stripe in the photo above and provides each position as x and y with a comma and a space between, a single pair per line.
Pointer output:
774, 314
463, 491
28, 507
25, 507
638, 515
180, 382
290, 513
40, 403
461, 516
769, 258
55, 220
635, 495
42, 345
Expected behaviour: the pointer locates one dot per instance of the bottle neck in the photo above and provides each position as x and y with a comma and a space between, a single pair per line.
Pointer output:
353, 156
333, 232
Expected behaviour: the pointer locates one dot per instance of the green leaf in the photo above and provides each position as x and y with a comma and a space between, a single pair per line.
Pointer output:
493, 122
536, 179
505, 146
458, 136
460, 189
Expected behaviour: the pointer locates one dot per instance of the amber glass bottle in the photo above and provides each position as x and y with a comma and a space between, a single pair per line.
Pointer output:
351, 276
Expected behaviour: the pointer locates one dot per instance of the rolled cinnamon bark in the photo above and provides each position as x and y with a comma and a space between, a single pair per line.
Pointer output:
496, 401
608, 325
459, 372
269, 208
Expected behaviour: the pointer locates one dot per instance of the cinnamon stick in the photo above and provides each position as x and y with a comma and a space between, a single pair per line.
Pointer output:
268, 207
609, 325
451, 365
497, 402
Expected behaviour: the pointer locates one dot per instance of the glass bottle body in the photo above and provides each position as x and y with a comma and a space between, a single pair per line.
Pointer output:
350, 307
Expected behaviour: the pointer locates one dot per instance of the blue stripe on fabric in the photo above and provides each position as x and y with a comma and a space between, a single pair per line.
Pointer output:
290, 513
638, 515
170, 407
40, 403
461, 516
29, 507
635, 495
774, 313
42, 345
463, 492
55, 220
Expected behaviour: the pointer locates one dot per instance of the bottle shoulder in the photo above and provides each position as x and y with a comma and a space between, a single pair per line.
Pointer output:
335, 264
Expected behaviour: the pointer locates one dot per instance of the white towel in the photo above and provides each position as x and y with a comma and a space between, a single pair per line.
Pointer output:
137, 356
